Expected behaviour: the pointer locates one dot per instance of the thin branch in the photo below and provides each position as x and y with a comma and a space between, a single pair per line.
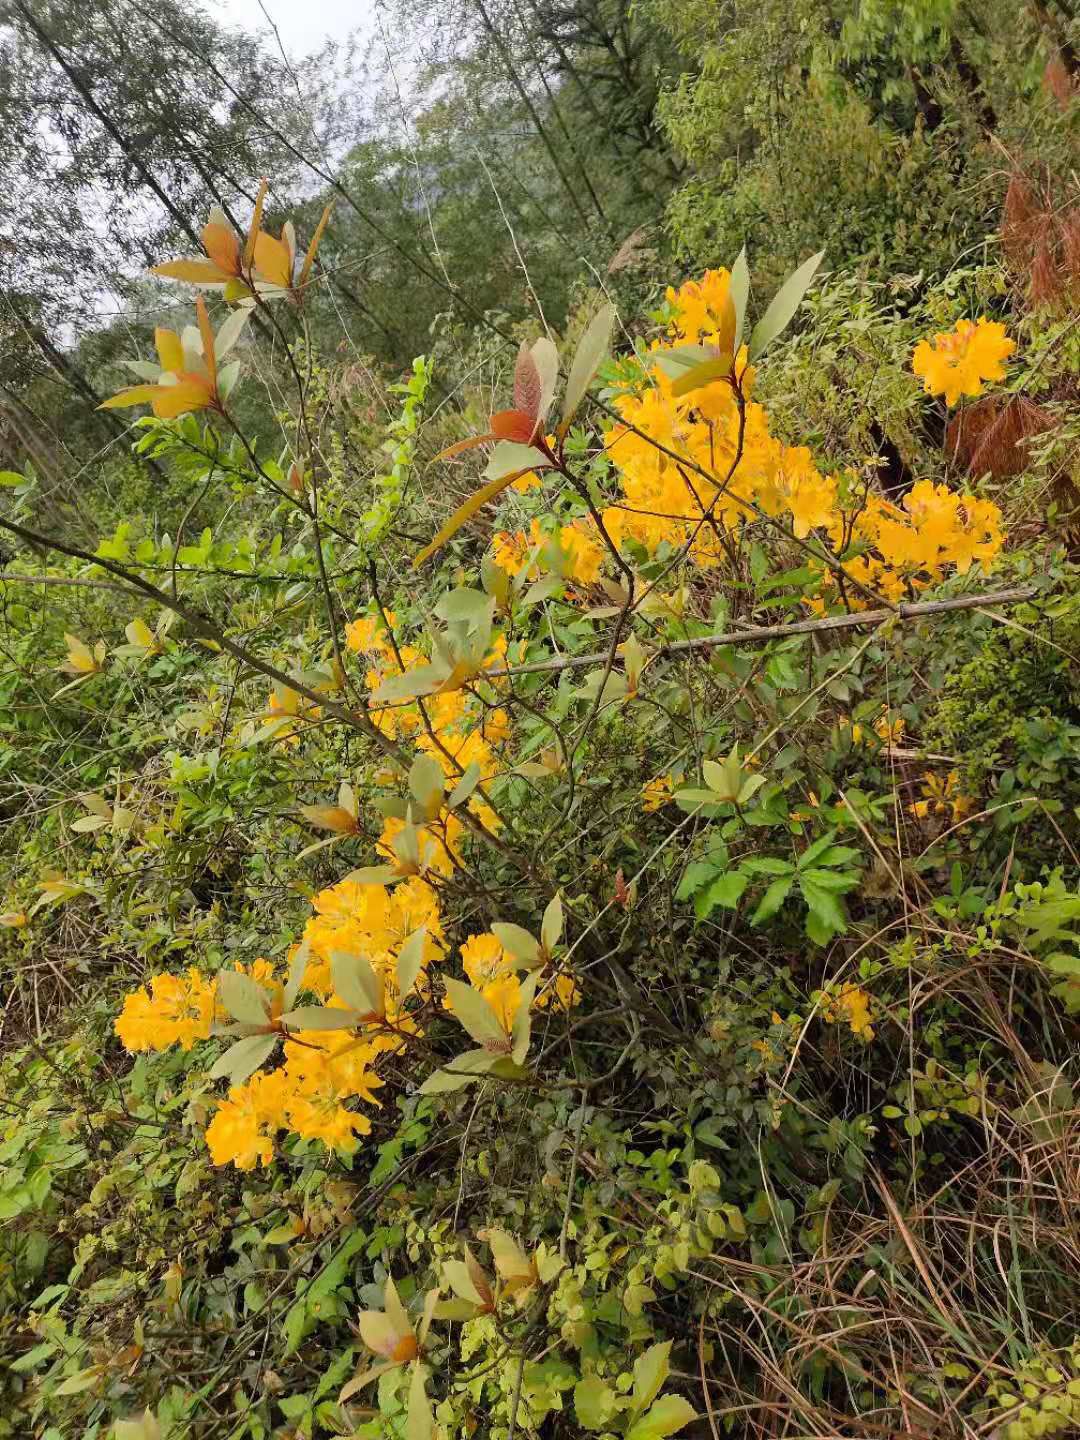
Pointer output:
761, 634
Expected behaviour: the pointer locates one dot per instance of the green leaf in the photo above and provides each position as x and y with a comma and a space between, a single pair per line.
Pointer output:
771, 901
521, 1031
474, 1013
465, 606
677, 361
669, 1414
410, 958
297, 967
422, 680
511, 458
718, 368
243, 998
426, 784
357, 984
373, 875
551, 927
650, 1371
243, 1058
827, 909
740, 293
464, 787
817, 849
320, 1017
768, 865
726, 890
784, 304
594, 1403
592, 347
420, 1424
461, 1071
520, 944
10, 477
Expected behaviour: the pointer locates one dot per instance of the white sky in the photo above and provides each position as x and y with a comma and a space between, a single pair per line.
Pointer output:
303, 24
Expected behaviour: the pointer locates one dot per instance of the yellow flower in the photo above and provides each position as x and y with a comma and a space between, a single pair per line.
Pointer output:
243, 1129
485, 959
852, 1004
177, 1009
942, 797
655, 793
367, 634
14, 919
960, 360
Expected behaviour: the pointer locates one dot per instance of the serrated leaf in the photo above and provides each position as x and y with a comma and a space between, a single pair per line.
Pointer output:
783, 305
592, 347
594, 1403
650, 1371
771, 901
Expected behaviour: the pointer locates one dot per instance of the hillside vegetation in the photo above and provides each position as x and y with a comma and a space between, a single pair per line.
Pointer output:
540, 723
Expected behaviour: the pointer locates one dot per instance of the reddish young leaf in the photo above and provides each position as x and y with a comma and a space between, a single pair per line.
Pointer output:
528, 385
513, 425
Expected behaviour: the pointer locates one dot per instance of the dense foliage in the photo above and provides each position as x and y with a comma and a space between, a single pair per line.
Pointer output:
541, 732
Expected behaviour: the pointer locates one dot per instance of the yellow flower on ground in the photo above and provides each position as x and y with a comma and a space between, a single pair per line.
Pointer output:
959, 361
655, 793
942, 796
850, 1004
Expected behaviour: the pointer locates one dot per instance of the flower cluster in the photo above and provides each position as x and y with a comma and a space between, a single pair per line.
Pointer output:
572, 552
493, 971
959, 361
305, 1096
695, 466
942, 797
177, 1009
451, 727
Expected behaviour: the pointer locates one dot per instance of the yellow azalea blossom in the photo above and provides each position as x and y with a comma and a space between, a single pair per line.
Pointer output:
563, 993
655, 793
726, 469
485, 959
242, 1131
959, 361
177, 1009
889, 728
373, 921
367, 635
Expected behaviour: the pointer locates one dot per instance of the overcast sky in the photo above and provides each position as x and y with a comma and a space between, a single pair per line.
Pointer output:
302, 24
